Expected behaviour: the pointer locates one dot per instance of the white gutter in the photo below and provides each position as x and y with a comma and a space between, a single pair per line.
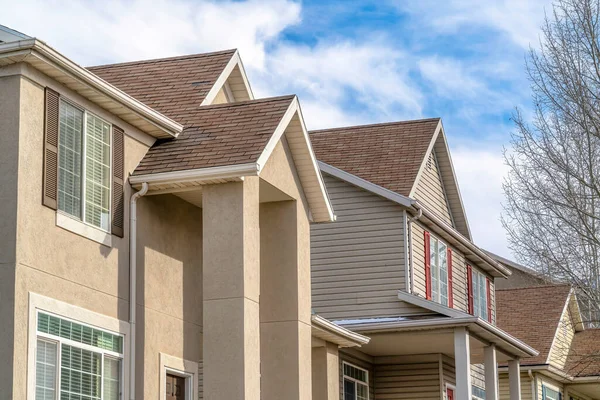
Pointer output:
196, 175
133, 284
46, 53
323, 323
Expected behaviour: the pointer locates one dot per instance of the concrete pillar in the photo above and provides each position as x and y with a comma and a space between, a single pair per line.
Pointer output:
514, 379
285, 302
231, 287
462, 363
325, 372
491, 373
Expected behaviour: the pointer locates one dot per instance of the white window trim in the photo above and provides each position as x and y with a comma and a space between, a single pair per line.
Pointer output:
475, 298
344, 377
180, 367
439, 294
476, 397
70, 222
449, 386
66, 221
41, 303
551, 387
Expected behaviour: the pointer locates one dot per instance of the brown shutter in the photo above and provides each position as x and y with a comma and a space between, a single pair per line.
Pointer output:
118, 170
450, 291
470, 288
50, 173
489, 299
427, 238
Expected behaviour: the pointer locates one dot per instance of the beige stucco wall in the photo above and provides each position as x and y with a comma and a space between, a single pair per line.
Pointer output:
9, 143
62, 265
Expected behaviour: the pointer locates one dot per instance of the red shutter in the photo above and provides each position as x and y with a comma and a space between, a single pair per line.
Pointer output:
427, 265
470, 288
450, 292
489, 299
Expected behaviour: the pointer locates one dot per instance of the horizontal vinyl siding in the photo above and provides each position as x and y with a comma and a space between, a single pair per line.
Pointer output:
525, 387
449, 373
478, 375
417, 380
345, 357
562, 341
430, 190
358, 261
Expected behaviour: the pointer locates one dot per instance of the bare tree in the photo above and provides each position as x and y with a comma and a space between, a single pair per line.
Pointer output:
552, 209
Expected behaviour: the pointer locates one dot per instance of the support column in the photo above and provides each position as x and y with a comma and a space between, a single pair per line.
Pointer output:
514, 379
230, 289
462, 363
491, 373
325, 372
285, 325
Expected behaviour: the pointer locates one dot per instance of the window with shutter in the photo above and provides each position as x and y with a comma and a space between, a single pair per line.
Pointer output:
50, 174
480, 295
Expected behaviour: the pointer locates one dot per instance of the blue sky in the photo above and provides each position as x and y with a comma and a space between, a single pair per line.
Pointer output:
350, 62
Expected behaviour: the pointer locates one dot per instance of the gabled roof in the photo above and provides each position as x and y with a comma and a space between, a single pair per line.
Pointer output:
174, 86
533, 315
389, 155
224, 134
584, 355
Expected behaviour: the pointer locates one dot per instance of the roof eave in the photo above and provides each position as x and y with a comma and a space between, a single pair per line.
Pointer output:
164, 126
337, 334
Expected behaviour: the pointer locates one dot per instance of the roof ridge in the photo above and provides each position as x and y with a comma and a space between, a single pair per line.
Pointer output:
164, 59
536, 287
253, 101
413, 121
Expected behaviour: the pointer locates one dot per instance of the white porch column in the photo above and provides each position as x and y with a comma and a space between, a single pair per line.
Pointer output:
514, 379
491, 373
462, 363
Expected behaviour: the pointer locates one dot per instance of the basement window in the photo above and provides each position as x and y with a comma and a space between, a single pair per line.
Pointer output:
356, 383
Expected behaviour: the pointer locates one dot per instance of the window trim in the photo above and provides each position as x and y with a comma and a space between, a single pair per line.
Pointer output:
551, 387
366, 382
446, 387
439, 295
77, 228
39, 303
185, 368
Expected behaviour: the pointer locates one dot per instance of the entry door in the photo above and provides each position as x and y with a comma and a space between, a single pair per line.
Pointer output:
449, 394
175, 387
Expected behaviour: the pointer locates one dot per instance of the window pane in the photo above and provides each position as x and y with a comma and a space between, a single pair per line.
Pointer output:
443, 259
362, 392
349, 390
69, 159
97, 176
45, 370
80, 373
434, 269
112, 378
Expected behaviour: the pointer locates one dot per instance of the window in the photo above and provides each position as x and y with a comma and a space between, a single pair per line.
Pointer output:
480, 306
356, 383
439, 271
477, 393
76, 361
549, 393
84, 166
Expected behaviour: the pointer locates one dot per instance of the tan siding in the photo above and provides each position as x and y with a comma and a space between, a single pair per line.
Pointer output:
359, 363
478, 375
430, 190
414, 380
358, 261
220, 98
562, 341
525, 387
449, 373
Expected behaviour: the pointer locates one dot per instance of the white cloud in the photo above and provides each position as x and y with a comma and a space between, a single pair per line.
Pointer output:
450, 77
480, 172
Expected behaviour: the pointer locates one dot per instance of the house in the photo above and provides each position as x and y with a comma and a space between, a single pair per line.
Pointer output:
548, 318
156, 225
399, 266
520, 275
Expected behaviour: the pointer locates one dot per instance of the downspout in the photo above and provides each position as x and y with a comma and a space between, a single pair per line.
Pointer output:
534, 393
133, 283
408, 225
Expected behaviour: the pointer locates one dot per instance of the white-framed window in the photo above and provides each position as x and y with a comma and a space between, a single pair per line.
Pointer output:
438, 253
480, 296
550, 393
356, 382
477, 393
180, 379
76, 361
84, 166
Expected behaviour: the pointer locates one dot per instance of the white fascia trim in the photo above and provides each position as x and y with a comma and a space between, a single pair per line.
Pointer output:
425, 158
431, 305
54, 58
355, 338
222, 79
364, 184
193, 175
276, 137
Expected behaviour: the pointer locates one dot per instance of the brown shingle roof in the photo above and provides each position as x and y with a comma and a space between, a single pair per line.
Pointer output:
224, 134
532, 315
172, 86
584, 355
388, 155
